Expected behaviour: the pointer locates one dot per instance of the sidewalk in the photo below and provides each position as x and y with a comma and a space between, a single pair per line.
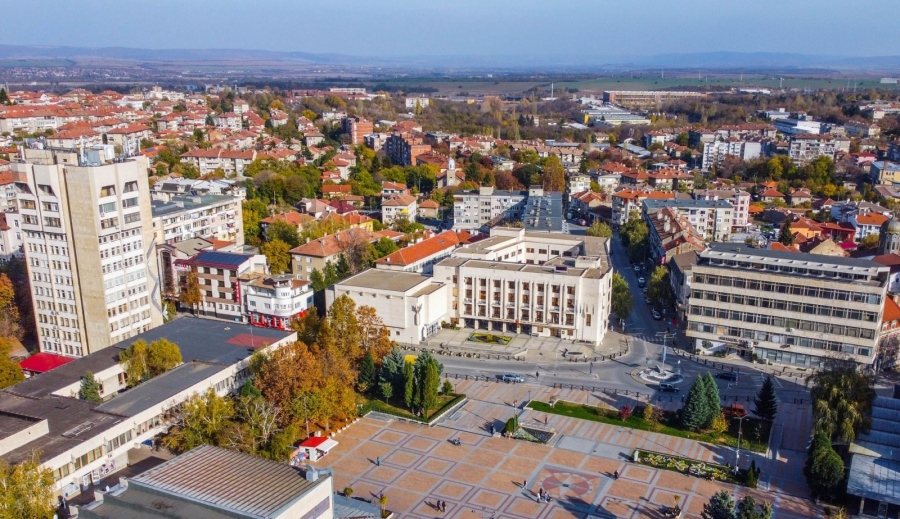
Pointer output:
521, 346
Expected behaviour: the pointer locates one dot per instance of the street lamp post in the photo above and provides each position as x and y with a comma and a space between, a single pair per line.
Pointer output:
665, 337
737, 453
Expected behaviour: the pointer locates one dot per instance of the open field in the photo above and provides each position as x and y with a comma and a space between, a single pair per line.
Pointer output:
501, 86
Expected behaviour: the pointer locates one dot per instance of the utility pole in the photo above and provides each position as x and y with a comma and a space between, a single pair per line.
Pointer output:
737, 453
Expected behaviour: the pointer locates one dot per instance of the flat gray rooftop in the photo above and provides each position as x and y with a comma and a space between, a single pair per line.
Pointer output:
383, 279
158, 390
717, 249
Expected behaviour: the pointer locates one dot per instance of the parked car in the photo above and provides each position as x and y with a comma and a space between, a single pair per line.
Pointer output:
665, 387
648, 301
641, 281
513, 377
656, 315
645, 289
637, 268
727, 375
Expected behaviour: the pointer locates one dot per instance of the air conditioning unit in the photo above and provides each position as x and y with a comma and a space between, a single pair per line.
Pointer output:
789, 330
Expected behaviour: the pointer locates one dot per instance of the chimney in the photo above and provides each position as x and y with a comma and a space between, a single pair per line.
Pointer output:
666, 226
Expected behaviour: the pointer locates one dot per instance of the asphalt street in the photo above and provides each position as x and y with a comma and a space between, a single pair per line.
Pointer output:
645, 349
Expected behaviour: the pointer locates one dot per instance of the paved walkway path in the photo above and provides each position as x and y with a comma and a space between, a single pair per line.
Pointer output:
485, 474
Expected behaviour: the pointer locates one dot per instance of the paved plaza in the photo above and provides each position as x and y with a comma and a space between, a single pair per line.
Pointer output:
483, 477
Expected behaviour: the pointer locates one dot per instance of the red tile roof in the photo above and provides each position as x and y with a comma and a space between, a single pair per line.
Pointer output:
871, 219
422, 250
291, 217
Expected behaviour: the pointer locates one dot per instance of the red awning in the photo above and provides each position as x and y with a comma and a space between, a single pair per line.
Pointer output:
43, 362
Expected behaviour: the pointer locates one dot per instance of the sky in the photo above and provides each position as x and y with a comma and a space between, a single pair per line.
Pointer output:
395, 28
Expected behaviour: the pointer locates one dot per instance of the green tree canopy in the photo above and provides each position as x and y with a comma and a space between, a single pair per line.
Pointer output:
824, 469
203, 419
622, 300
599, 229
842, 399
284, 231
720, 506
766, 401
90, 389
696, 412
786, 237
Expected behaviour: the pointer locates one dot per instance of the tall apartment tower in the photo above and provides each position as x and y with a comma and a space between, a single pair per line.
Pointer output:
89, 245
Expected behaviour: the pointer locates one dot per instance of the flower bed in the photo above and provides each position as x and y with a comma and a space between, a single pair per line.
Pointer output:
687, 466
490, 338
533, 435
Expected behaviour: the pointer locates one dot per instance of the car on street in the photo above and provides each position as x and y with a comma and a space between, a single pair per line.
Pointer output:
727, 375
645, 289
513, 377
665, 387
648, 301
637, 268
656, 315
641, 281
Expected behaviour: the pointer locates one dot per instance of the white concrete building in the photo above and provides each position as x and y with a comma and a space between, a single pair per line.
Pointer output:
714, 153
411, 305
275, 301
740, 202
217, 217
806, 147
88, 240
473, 209
398, 207
10, 236
81, 442
554, 285
786, 307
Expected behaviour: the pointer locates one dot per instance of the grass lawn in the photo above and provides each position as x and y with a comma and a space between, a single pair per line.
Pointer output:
667, 426
399, 409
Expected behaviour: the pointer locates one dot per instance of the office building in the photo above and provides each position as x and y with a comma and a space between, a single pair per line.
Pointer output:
740, 202
89, 244
552, 285
786, 307
219, 277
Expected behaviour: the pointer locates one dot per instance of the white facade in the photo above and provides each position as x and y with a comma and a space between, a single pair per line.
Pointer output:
714, 153
10, 236
89, 245
786, 307
712, 219
545, 284
473, 209
411, 305
183, 218
274, 301
740, 202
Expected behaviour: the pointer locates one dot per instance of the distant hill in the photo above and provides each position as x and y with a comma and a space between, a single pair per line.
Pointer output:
705, 60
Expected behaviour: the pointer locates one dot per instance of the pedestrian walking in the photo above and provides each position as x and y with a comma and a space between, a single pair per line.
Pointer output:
616, 474
524, 483
443, 506
378, 461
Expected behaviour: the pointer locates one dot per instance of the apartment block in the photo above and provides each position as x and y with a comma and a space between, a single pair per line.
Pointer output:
806, 147
714, 153
403, 148
88, 241
790, 308
712, 219
356, 128
217, 217
740, 203
473, 209
219, 275
625, 201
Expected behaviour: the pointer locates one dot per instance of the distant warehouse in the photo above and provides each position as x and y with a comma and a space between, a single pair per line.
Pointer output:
646, 97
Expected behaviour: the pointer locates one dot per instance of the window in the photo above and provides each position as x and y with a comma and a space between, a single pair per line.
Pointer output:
52, 222
130, 202
50, 206
131, 186
108, 191
133, 217
108, 207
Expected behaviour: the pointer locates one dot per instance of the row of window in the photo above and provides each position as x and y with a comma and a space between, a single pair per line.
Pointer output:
50, 305
776, 338
129, 320
511, 285
115, 296
44, 249
119, 265
783, 322
786, 269
56, 333
525, 315
120, 249
57, 320
783, 305
38, 235
827, 294
49, 292
109, 238
68, 349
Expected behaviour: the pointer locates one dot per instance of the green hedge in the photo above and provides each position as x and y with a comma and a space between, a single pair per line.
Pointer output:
381, 407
